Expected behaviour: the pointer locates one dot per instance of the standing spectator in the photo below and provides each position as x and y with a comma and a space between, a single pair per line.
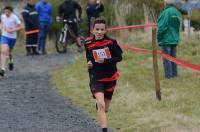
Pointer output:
44, 10
103, 54
67, 10
93, 10
168, 35
10, 25
31, 20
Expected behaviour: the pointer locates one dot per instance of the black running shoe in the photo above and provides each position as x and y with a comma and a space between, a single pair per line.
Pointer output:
2, 72
11, 66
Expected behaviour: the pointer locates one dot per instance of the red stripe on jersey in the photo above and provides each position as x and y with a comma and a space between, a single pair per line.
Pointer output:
89, 38
99, 44
113, 78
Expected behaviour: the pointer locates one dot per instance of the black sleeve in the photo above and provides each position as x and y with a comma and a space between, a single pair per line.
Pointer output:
60, 10
88, 55
78, 7
100, 8
116, 53
87, 10
26, 17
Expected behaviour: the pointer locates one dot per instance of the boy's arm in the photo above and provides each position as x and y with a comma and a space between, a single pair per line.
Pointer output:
19, 24
89, 59
88, 56
116, 54
18, 27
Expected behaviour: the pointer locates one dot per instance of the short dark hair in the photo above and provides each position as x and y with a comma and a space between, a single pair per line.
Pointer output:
100, 20
9, 8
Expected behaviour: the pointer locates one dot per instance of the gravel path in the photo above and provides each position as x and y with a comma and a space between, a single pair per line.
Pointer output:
29, 103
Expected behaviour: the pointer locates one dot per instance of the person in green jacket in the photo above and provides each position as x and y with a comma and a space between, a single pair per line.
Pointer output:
168, 35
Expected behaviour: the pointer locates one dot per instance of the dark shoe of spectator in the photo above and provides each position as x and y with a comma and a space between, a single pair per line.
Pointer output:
10, 66
2, 72
42, 52
36, 53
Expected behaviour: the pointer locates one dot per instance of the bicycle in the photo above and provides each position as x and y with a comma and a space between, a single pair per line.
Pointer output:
66, 36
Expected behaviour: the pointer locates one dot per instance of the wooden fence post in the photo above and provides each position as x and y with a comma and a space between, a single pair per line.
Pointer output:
155, 65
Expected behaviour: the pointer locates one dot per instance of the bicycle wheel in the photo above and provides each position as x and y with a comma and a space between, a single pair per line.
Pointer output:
61, 45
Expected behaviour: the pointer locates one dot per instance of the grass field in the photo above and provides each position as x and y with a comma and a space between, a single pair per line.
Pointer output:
134, 107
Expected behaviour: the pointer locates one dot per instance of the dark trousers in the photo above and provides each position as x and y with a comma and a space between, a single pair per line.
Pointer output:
170, 68
32, 43
90, 25
44, 26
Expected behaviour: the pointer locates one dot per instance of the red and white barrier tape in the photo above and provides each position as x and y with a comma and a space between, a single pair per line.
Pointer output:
180, 62
132, 27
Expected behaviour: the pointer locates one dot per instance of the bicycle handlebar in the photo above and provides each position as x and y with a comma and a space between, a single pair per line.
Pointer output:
69, 21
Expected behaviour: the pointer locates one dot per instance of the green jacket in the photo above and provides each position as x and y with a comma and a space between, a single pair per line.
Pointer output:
168, 30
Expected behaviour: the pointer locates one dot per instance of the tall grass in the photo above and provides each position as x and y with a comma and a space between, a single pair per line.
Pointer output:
134, 107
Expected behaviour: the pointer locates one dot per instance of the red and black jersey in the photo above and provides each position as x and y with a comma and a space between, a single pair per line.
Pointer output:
110, 51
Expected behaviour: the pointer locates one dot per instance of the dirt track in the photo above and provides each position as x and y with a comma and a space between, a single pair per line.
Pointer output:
29, 103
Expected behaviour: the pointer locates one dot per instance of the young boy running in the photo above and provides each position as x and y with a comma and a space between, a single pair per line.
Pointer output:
10, 25
102, 55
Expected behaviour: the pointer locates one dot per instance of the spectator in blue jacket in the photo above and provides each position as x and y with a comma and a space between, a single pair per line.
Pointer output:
44, 10
93, 10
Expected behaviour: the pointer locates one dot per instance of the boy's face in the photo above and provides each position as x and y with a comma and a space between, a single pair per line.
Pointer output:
99, 31
7, 12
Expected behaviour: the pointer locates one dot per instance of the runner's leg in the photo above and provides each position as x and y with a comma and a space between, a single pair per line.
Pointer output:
10, 64
101, 109
4, 55
108, 94
107, 104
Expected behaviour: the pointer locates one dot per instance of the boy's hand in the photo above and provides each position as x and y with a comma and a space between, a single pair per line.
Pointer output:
9, 30
90, 65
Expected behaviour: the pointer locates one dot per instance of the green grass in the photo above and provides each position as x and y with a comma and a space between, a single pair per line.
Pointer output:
134, 107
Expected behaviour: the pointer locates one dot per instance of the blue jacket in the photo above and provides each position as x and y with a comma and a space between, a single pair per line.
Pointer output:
44, 11
94, 10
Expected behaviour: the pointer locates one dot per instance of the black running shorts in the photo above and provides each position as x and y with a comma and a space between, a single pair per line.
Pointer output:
106, 87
